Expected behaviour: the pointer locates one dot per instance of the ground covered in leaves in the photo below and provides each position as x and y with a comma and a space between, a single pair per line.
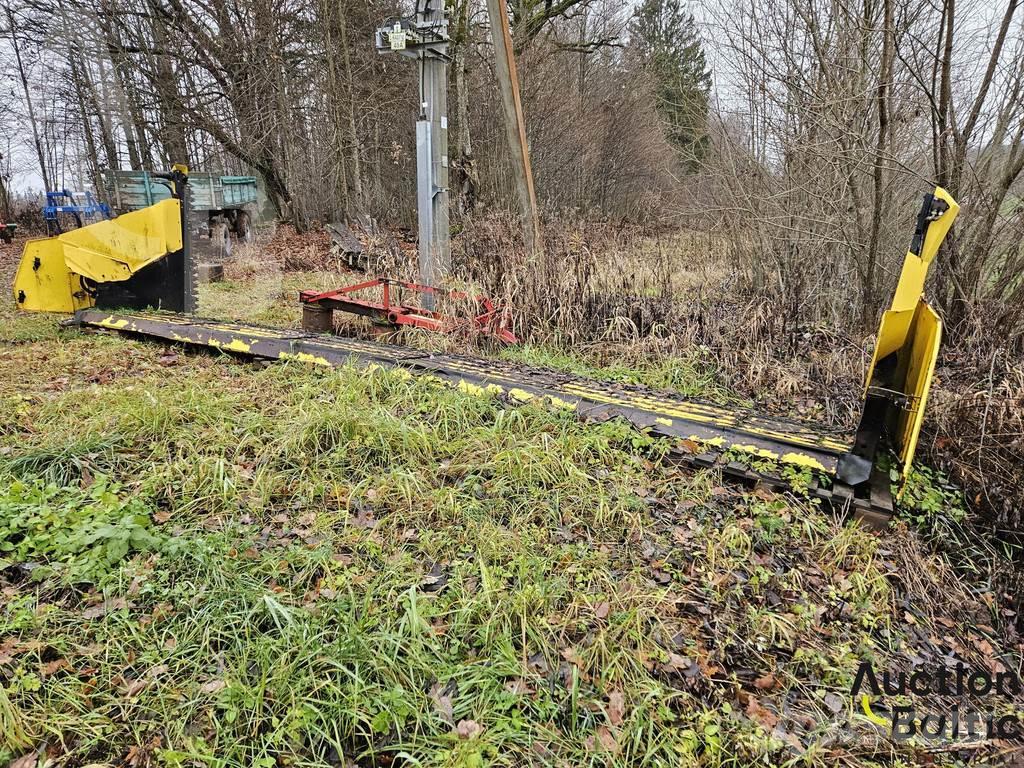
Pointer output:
210, 562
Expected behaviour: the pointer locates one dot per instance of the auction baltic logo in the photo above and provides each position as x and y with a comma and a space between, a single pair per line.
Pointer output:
929, 718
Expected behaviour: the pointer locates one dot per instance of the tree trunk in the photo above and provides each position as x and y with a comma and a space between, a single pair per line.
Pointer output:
49, 181
171, 126
353, 138
83, 111
464, 167
132, 120
333, 102
5, 195
879, 197
98, 110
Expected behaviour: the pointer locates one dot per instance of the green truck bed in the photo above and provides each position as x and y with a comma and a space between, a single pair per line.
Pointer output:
131, 190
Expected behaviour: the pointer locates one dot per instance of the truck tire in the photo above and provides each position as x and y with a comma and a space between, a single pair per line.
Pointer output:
220, 239
243, 227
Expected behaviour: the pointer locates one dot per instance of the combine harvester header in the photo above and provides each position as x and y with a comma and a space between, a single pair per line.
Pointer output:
142, 260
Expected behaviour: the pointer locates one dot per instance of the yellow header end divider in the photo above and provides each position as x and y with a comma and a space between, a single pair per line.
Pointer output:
907, 348
55, 272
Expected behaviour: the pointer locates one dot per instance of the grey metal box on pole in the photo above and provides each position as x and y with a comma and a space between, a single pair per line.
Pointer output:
425, 38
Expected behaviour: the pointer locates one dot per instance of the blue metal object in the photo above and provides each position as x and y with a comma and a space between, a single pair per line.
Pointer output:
81, 206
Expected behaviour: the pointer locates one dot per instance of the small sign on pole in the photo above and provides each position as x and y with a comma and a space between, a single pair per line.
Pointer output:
397, 38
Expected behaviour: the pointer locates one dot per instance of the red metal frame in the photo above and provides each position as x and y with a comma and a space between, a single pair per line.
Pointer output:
491, 320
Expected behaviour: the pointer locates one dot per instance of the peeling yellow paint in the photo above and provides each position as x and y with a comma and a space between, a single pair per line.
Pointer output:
764, 453
235, 345
521, 395
305, 357
560, 403
663, 421
803, 460
718, 442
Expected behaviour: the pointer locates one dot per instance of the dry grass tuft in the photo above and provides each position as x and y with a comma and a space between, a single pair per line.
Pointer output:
626, 295
976, 419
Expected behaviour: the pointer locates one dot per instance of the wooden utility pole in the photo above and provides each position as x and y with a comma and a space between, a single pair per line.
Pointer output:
515, 123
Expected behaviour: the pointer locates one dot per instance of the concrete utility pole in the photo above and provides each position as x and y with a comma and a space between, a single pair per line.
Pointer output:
515, 122
425, 38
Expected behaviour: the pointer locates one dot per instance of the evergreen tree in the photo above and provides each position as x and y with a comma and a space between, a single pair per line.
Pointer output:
664, 37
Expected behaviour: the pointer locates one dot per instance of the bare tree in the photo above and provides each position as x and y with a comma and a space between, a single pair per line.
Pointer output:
17, 47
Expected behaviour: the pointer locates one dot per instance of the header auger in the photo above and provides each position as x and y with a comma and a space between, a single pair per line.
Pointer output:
142, 260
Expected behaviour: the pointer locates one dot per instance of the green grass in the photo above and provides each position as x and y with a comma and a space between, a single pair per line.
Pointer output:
210, 562
687, 377
20, 328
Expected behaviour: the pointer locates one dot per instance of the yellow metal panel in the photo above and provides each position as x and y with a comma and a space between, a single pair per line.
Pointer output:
44, 283
912, 331
895, 329
892, 333
112, 251
48, 278
924, 351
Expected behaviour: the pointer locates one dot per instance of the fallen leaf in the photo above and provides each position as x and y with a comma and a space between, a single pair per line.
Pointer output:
602, 740
52, 667
162, 516
790, 738
835, 702
764, 717
435, 580
569, 654
616, 707
468, 729
363, 517
984, 647
518, 686
213, 686
602, 610
132, 687
443, 703
28, 760
95, 611
107, 606
766, 682
679, 663
680, 533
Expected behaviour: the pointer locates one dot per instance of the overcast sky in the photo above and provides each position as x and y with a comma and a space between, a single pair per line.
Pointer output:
16, 141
